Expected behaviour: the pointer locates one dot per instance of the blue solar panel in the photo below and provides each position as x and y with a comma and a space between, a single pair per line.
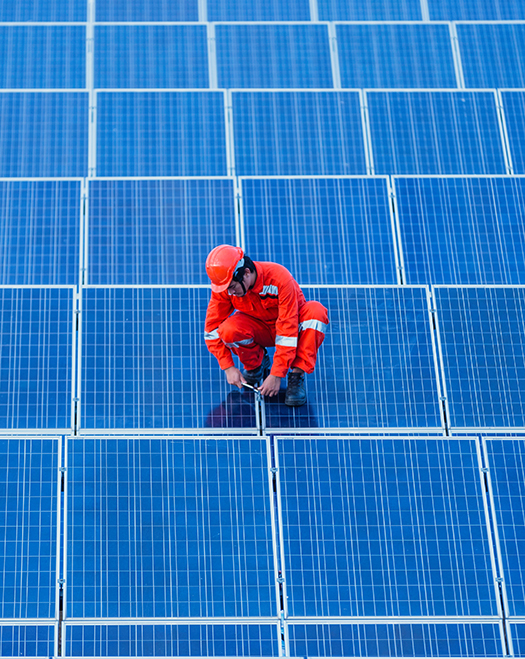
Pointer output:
435, 133
258, 10
43, 10
395, 56
157, 232
506, 461
382, 527
462, 230
170, 527
375, 368
38, 57
226, 640
27, 641
518, 637
28, 527
483, 347
287, 133
43, 134
273, 56
356, 10
514, 109
396, 640
39, 232
476, 10
151, 56
147, 10
491, 55
342, 225
161, 134
35, 357
146, 365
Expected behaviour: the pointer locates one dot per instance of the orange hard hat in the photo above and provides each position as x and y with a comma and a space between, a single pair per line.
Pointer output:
222, 263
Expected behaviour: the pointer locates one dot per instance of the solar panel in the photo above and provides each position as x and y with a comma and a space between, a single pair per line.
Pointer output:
39, 232
43, 10
476, 10
435, 133
354, 10
514, 110
147, 10
157, 232
155, 56
287, 133
170, 527
491, 55
28, 530
145, 363
43, 134
396, 640
36, 358
181, 640
277, 56
402, 56
462, 230
376, 367
506, 462
518, 636
258, 10
27, 641
23, 49
384, 527
343, 225
161, 134
483, 349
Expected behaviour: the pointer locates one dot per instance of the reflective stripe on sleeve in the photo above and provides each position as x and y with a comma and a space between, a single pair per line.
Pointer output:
211, 336
238, 344
313, 324
288, 341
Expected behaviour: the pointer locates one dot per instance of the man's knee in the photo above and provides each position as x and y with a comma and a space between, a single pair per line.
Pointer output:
314, 311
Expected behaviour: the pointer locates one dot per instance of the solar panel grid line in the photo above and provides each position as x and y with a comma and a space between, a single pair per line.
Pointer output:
279, 533
456, 53
203, 11
334, 56
314, 11
229, 133
499, 571
367, 136
425, 14
504, 132
396, 220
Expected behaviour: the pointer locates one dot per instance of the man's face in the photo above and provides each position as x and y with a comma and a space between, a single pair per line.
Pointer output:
236, 289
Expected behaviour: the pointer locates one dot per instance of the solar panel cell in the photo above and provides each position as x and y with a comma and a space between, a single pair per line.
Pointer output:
287, 133
514, 109
354, 10
323, 230
27, 641
43, 10
390, 56
258, 10
157, 232
476, 10
171, 527
278, 56
147, 10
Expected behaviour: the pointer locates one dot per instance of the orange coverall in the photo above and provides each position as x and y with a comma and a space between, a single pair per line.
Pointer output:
273, 313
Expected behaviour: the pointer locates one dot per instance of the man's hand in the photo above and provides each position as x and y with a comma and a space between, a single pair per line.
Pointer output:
271, 386
234, 376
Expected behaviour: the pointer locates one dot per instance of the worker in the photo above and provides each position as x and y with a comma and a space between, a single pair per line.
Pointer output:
256, 305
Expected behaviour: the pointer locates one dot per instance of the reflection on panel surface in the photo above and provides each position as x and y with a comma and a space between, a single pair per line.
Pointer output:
161, 134
36, 357
384, 527
435, 133
324, 231
145, 363
246, 56
28, 535
483, 349
169, 527
395, 640
462, 230
39, 232
375, 368
506, 458
288, 133
395, 56
157, 232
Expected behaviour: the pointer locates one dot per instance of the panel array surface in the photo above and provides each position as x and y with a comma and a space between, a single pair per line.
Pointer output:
170, 527
384, 527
